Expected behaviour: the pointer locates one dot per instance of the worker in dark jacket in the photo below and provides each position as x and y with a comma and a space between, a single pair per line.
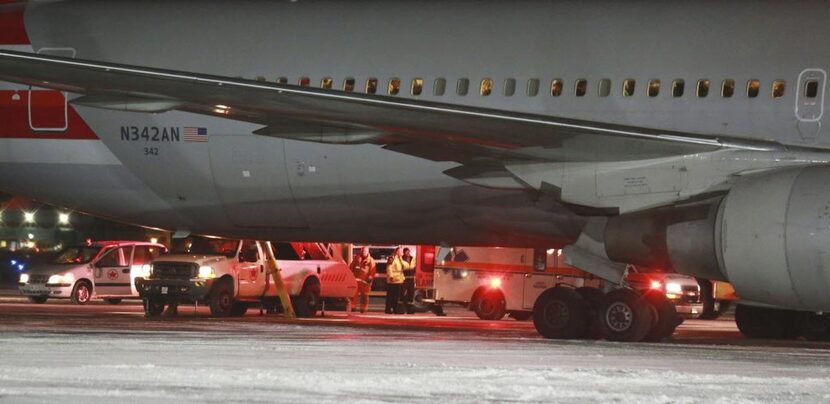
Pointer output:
408, 290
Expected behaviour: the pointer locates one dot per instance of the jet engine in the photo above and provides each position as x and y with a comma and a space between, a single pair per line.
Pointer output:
769, 237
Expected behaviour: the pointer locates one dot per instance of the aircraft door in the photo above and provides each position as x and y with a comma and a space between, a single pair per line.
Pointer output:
48, 109
112, 273
809, 103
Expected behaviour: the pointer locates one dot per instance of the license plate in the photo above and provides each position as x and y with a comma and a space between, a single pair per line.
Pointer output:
164, 290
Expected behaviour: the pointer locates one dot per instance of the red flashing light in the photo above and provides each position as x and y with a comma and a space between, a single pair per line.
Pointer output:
656, 285
495, 283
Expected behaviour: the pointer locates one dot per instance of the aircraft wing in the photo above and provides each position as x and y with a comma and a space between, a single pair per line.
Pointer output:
427, 129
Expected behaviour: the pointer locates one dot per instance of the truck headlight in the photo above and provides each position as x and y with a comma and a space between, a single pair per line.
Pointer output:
146, 271
206, 272
674, 288
24, 278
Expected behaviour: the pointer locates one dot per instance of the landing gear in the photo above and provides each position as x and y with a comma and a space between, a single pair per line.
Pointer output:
626, 316
814, 327
561, 313
666, 318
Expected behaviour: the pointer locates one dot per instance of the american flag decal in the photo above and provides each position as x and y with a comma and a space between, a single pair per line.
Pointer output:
193, 134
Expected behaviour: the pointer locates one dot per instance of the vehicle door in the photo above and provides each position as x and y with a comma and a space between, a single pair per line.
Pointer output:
142, 255
534, 284
112, 272
248, 268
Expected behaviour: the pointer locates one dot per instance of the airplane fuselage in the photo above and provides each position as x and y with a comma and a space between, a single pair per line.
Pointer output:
614, 62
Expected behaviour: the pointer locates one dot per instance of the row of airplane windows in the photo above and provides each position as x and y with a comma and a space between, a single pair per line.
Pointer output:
557, 87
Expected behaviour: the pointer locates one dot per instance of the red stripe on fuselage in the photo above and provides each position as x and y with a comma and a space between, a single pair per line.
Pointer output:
15, 119
12, 25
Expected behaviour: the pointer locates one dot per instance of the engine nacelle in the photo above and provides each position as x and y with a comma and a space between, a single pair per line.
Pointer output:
775, 238
769, 237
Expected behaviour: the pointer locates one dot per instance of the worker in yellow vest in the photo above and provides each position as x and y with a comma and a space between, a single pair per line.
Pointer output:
408, 288
363, 267
394, 281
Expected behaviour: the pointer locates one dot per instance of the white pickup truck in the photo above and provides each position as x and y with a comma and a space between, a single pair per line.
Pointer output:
230, 276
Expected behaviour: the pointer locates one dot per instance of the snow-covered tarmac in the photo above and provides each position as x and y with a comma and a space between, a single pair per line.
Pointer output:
124, 358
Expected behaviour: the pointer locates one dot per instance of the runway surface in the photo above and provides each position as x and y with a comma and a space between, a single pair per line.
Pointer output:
103, 353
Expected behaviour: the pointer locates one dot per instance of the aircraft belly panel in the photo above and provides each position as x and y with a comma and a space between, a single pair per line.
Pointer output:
250, 177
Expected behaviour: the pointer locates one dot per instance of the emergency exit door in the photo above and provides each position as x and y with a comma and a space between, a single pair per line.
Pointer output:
48, 109
809, 106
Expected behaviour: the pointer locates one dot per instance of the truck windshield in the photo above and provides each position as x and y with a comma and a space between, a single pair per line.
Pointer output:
76, 255
204, 246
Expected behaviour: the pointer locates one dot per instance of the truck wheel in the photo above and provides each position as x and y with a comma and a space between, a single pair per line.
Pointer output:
239, 309
38, 299
221, 299
814, 327
418, 301
81, 293
521, 315
113, 301
560, 313
490, 305
595, 300
762, 322
667, 318
153, 308
626, 316
306, 304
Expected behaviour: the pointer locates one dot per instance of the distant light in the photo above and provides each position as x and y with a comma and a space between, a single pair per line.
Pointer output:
14, 262
20, 267
551, 251
30, 244
63, 218
154, 240
29, 217
495, 283
30, 236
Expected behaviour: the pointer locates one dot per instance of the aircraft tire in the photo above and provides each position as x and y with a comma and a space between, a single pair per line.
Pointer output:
595, 299
814, 327
666, 320
560, 313
766, 323
490, 305
626, 316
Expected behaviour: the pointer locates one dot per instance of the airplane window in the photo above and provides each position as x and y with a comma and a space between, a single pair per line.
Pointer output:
702, 88
282, 80
463, 86
753, 88
629, 85
533, 87
778, 88
439, 87
327, 82
348, 85
811, 89
677, 88
486, 87
372, 86
556, 87
653, 88
260, 78
304, 81
509, 87
580, 87
604, 87
394, 86
727, 88
417, 86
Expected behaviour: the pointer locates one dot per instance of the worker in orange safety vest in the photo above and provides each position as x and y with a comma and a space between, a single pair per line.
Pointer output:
364, 268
